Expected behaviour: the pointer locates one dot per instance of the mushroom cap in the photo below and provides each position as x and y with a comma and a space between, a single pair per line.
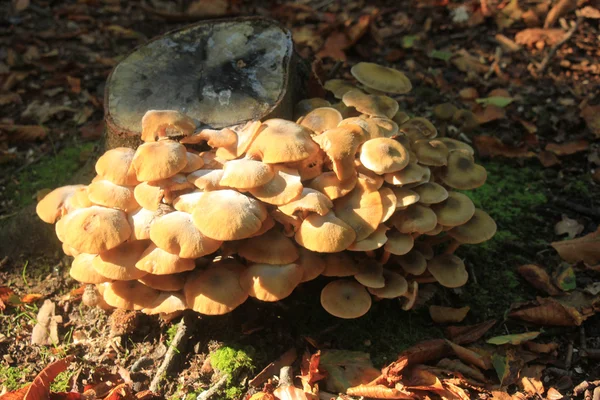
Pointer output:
228, 215
418, 128
416, 218
167, 303
456, 210
431, 193
194, 162
155, 260
387, 127
246, 174
188, 201
268, 282
69, 251
148, 196
95, 229
389, 203
370, 128
339, 264
213, 137
361, 209
448, 270
207, 180
52, 206
413, 262
312, 264
367, 179
431, 152
212, 160
107, 194
399, 243
321, 119
339, 87
115, 166
373, 105
305, 106
400, 117
372, 242
462, 173
165, 283
82, 270
329, 184
444, 111
79, 199
310, 167
245, 133
344, 298
284, 188
412, 173
310, 200
325, 233
159, 160
453, 144
478, 229
176, 233
425, 249
381, 78
120, 263
158, 124
439, 228
142, 220
340, 145
410, 296
395, 286
370, 275
383, 155
282, 141
215, 290
272, 247
129, 295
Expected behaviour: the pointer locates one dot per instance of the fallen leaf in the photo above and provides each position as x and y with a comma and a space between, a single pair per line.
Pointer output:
553, 394
490, 146
548, 159
378, 392
593, 288
543, 348
445, 315
74, 84
531, 36
441, 55
471, 357
425, 351
310, 369
586, 249
569, 310
591, 115
459, 366
515, 339
469, 93
208, 8
334, 46
530, 379
469, 333
490, 113
508, 15
40, 387
562, 7
358, 30
497, 101
530, 127
538, 278
31, 298
408, 41
346, 369
467, 63
92, 130
507, 367
568, 148
22, 133
590, 12
419, 378
43, 112
5, 295
10, 98
564, 277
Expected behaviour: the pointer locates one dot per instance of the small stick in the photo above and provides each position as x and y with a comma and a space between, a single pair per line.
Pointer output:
334, 70
170, 356
582, 340
214, 388
546, 61
577, 207
569, 357
558, 371
497, 57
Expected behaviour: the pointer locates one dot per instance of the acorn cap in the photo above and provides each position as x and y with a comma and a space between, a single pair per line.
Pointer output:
478, 229
245, 135
453, 144
418, 128
416, 218
325, 234
194, 162
165, 283
167, 303
95, 229
361, 209
339, 264
412, 173
246, 174
373, 105
207, 180
268, 282
82, 270
273, 247
115, 166
215, 290
456, 210
176, 233
383, 155
107, 194
310, 167
448, 270
431, 193
284, 188
157, 124
305, 106
281, 141
52, 206
188, 201
329, 184
431, 152
340, 145
339, 87
372, 242
321, 119
370, 275
462, 173
159, 160
120, 263
413, 262
381, 78
398, 243
155, 260
410, 297
129, 295
310, 200
312, 264
344, 298
228, 215
395, 286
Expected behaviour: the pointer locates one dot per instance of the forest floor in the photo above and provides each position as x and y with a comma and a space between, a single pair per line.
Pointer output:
540, 149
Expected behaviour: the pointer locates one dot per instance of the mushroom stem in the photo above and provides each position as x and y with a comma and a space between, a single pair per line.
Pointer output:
415, 235
370, 253
452, 247
385, 257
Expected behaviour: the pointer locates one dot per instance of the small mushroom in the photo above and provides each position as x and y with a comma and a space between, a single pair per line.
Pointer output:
284, 188
155, 260
321, 119
82, 270
372, 242
412, 173
418, 128
130, 295
120, 263
310, 200
381, 78
159, 160
268, 282
395, 286
194, 162
416, 218
431, 193
346, 299
478, 229
282, 141
305, 106
397, 243
207, 180
157, 124
448, 270
273, 247
362, 209
115, 166
373, 105
433, 153
383, 155
339, 264
312, 264
340, 145
165, 283
53, 206
329, 184
453, 144
108, 194
413, 262
405, 197
462, 173
245, 135
167, 303
456, 210
339, 87
370, 275
246, 174
325, 233
410, 297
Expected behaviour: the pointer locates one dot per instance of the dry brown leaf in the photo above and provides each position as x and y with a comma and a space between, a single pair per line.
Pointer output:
590, 12
334, 46
538, 278
22, 133
74, 84
530, 127
591, 115
471, 357
586, 249
40, 387
568, 148
425, 351
490, 146
543, 348
467, 63
490, 113
530, 379
570, 310
562, 7
531, 36
208, 8
568, 226
358, 30
10, 98
548, 159
379, 392
459, 366
20, 5
446, 315
469, 333
553, 394
31, 298
310, 369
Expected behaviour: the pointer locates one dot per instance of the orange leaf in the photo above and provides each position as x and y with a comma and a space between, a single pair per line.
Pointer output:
489, 146
17, 394
40, 387
31, 298
445, 315
379, 392
471, 357
490, 113
333, 47
310, 368
425, 351
548, 159
569, 310
358, 30
568, 148
469, 333
5, 293
538, 278
586, 249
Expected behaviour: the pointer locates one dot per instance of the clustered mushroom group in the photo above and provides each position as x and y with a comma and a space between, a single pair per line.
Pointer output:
356, 191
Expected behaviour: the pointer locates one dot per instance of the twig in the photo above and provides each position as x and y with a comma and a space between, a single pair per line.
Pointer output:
546, 61
495, 64
569, 357
169, 357
214, 388
577, 207
334, 70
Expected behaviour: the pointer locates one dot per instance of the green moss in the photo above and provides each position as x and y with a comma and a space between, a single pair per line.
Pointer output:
13, 378
52, 171
233, 361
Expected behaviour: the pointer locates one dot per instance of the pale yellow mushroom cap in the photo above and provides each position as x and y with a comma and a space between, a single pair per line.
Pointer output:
389, 202
310, 200
167, 303
370, 275
340, 145
453, 144
346, 299
107, 194
52, 206
142, 220
155, 260
383, 155
159, 160
374, 241
361, 209
194, 163
448, 270
282, 141
284, 188
130, 295
158, 124
115, 166
325, 233
82, 270
329, 184
310, 167
268, 282
165, 283
246, 174
381, 78
398, 243
478, 229
188, 201
321, 119
376, 106
95, 229
305, 106
272, 247
213, 137
412, 173
431, 193
120, 263
151, 195
395, 286
339, 87
462, 173
370, 128
413, 262
431, 152
456, 210
207, 180
418, 128
245, 135
416, 218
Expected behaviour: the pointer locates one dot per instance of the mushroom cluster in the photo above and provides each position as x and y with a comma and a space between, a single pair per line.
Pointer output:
201, 219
